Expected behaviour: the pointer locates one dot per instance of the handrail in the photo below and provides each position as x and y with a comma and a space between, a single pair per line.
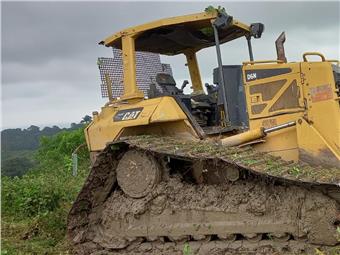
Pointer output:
262, 62
334, 61
313, 54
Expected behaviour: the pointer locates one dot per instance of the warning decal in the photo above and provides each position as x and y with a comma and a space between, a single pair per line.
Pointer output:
321, 93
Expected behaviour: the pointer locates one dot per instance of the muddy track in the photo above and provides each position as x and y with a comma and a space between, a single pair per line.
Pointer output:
275, 205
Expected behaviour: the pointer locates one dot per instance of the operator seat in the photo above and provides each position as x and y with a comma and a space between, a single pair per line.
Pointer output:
168, 84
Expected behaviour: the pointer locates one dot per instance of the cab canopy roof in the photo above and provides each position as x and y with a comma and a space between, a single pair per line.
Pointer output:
177, 35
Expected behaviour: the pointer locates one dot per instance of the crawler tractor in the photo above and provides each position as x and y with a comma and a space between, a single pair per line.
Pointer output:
249, 162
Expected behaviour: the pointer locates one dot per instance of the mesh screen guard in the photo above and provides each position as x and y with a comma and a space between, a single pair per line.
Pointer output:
147, 66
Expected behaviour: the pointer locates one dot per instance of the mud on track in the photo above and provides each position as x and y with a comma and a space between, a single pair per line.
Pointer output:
260, 215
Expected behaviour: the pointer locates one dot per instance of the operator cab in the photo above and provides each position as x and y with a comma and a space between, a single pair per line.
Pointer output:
222, 107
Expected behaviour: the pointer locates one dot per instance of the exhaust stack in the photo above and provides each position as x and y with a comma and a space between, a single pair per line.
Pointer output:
280, 50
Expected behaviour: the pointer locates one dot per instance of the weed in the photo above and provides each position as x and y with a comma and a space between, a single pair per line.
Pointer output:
318, 252
186, 249
249, 161
295, 171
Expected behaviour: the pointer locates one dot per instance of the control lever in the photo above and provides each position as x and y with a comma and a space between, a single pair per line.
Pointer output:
184, 84
211, 88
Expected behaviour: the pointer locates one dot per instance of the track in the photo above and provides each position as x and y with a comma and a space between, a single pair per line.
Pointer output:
269, 206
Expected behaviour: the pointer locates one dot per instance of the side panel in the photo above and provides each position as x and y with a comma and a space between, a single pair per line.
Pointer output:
272, 89
154, 116
303, 92
322, 116
274, 96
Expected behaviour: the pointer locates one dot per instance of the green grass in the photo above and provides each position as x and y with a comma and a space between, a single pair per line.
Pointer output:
35, 206
25, 237
16, 163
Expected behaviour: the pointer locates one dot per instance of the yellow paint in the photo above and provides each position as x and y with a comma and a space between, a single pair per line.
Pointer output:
156, 115
254, 99
310, 140
281, 143
194, 72
198, 20
262, 62
108, 86
131, 90
244, 137
324, 115
167, 110
320, 130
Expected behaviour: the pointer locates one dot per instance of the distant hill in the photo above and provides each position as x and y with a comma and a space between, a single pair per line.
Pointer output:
28, 139
18, 146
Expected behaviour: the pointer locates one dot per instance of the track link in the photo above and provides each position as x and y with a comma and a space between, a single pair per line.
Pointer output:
272, 201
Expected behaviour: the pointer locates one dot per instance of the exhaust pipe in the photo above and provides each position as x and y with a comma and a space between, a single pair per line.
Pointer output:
280, 50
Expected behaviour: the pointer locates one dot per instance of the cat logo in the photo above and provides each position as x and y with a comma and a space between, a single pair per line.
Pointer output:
128, 114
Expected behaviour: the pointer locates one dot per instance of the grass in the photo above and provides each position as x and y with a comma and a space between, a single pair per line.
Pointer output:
35, 206
25, 237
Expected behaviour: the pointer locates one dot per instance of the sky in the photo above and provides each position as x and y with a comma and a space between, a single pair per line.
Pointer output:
49, 50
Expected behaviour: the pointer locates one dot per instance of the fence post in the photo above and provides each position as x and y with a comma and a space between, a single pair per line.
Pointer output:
74, 164
75, 160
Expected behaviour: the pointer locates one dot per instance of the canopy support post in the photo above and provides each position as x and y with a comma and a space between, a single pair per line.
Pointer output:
194, 72
131, 91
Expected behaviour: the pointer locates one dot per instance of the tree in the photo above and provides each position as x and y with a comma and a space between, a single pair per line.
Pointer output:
16, 166
33, 129
86, 119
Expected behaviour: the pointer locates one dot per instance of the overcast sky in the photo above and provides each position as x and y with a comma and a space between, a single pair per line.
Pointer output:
49, 49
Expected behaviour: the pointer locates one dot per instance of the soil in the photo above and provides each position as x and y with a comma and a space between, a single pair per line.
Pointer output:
170, 218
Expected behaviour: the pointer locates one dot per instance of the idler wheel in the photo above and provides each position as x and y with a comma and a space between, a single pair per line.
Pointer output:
138, 173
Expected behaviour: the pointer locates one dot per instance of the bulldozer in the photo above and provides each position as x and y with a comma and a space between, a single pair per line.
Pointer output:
249, 162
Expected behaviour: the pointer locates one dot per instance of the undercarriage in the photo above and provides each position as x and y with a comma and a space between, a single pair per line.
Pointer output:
159, 195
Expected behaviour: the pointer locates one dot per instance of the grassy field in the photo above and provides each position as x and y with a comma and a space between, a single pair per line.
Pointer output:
35, 206
25, 237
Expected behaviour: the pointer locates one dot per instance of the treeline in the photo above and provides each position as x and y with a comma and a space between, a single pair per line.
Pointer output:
18, 146
28, 139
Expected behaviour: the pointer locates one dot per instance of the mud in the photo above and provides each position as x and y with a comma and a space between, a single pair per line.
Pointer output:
264, 247
137, 173
256, 210
175, 208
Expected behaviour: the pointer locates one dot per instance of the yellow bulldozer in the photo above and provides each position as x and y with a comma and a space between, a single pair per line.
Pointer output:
249, 162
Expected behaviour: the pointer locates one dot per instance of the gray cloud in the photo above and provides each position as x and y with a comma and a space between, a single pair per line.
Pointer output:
49, 49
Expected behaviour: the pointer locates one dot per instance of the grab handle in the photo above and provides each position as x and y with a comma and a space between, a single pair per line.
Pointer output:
313, 54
